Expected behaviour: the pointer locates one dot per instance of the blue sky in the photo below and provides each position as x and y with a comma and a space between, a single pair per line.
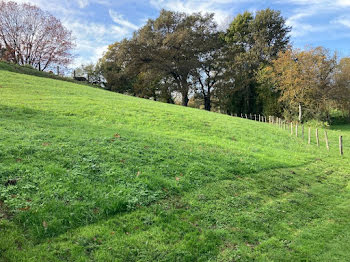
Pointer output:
98, 23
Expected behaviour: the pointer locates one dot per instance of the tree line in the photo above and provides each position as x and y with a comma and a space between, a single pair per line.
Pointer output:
187, 54
249, 68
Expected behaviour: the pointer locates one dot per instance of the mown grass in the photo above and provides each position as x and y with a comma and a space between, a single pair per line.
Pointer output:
89, 175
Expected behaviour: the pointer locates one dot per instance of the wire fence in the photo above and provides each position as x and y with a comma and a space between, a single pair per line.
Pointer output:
310, 134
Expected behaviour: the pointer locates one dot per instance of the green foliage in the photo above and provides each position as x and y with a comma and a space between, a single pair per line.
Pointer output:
339, 117
341, 95
118, 79
175, 50
239, 31
91, 72
187, 54
253, 42
106, 177
268, 95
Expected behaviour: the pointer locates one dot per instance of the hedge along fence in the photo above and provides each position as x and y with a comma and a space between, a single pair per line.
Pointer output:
311, 135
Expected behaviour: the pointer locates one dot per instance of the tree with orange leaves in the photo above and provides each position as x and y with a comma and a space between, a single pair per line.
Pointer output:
304, 81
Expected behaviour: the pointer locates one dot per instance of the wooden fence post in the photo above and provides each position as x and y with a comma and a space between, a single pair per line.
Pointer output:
326, 138
291, 128
255, 117
246, 117
309, 136
341, 145
317, 138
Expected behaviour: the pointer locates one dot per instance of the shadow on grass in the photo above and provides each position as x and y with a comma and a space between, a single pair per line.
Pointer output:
71, 173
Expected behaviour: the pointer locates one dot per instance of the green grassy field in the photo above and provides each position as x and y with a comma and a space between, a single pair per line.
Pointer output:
28, 70
90, 175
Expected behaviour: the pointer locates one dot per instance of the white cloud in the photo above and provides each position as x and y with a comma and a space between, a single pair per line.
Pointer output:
343, 3
300, 28
83, 3
319, 4
303, 20
119, 19
205, 6
92, 38
345, 21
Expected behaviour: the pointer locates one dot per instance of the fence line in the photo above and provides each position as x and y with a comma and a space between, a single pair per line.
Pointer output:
282, 124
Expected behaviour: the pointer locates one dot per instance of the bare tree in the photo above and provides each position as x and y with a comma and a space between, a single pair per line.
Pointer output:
34, 37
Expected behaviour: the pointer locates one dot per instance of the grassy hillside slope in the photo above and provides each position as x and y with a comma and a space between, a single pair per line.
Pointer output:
89, 175
28, 70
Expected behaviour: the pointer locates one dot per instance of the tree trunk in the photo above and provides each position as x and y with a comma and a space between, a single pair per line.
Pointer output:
207, 103
300, 113
184, 92
185, 99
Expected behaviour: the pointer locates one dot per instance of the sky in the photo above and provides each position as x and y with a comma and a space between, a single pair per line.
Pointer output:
98, 23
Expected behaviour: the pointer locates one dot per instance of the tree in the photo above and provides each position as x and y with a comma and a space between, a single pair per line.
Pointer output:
89, 71
171, 48
342, 82
305, 79
172, 45
209, 71
33, 37
253, 41
119, 68
268, 94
